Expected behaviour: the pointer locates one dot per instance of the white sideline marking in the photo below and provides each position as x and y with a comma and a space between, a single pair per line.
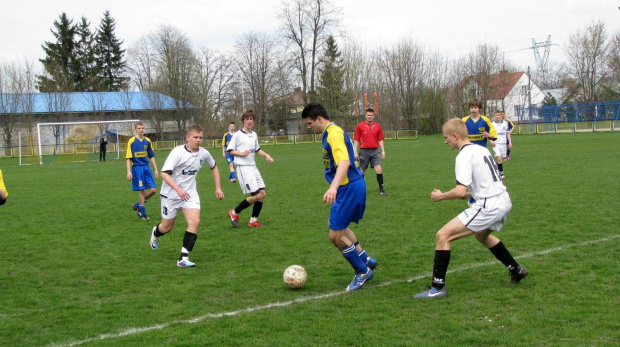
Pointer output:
132, 331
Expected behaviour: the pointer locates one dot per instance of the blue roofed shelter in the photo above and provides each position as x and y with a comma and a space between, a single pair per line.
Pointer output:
161, 114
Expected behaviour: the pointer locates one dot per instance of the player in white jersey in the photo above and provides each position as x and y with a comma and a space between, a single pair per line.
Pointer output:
244, 145
178, 192
475, 171
502, 130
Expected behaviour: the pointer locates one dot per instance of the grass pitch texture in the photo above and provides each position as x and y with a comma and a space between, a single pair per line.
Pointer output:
77, 268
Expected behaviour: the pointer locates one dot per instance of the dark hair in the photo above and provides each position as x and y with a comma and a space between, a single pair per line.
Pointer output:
233, 123
197, 128
313, 110
475, 102
370, 110
247, 115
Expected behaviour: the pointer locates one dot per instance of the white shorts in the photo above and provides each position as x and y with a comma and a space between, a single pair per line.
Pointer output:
489, 213
249, 179
171, 207
500, 150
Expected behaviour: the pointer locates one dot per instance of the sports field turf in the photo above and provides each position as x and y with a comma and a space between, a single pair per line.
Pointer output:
77, 268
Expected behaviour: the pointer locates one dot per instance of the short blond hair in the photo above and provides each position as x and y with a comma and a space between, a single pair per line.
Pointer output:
455, 126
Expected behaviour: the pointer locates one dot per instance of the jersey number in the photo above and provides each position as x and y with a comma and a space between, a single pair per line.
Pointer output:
491, 164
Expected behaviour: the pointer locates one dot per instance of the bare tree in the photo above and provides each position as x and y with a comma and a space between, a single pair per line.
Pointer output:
307, 24
614, 57
256, 53
17, 88
587, 55
175, 66
357, 79
214, 82
403, 68
481, 64
141, 64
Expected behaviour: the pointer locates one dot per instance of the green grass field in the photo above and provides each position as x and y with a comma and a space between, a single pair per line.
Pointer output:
77, 268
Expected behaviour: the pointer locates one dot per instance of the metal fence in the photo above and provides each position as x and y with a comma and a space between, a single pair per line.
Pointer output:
600, 116
90, 151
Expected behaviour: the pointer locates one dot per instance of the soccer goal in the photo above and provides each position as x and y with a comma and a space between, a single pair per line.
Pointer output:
75, 141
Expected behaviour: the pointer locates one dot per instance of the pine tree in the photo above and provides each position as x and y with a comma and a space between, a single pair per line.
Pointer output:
59, 60
85, 68
110, 63
331, 91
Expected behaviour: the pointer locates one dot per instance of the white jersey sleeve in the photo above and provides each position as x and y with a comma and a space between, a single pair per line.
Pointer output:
476, 169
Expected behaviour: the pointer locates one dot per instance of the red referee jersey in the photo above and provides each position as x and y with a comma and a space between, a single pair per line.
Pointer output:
368, 135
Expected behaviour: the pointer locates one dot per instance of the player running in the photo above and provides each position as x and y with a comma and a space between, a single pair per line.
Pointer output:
178, 192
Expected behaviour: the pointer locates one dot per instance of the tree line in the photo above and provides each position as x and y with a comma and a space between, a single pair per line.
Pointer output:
417, 86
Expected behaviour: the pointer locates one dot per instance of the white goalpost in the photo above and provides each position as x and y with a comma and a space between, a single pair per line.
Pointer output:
78, 141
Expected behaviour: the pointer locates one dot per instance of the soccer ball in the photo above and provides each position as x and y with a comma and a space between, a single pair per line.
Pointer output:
295, 276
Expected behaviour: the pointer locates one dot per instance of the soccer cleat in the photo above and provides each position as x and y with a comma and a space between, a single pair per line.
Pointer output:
256, 224
383, 193
503, 176
234, 218
360, 280
185, 263
154, 239
432, 292
135, 207
371, 263
518, 274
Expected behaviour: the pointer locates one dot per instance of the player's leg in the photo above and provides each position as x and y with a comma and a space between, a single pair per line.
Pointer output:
257, 206
453, 230
192, 215
169, 210
349, 207
369, 261
499, 155
375, 162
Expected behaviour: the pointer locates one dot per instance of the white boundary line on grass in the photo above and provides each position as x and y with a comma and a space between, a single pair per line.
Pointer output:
133, 331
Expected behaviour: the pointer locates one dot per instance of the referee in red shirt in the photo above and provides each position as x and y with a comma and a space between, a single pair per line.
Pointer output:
368, 140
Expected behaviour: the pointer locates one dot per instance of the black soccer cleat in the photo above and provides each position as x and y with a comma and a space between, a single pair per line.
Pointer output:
518, 274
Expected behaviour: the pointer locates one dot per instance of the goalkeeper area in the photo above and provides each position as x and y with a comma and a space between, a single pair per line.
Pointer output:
74, 141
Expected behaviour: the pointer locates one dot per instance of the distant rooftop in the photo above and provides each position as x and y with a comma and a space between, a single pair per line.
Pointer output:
85, 102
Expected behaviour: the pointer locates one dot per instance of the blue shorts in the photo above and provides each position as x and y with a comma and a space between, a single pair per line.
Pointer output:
142, 178
349, 206
230, 158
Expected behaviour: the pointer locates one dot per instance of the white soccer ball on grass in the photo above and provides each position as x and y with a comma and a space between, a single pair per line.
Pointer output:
295, 276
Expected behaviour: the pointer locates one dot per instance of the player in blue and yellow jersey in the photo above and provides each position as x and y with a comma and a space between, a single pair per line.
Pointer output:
346, 193
3, 192
139, 153
479, 127
229, 157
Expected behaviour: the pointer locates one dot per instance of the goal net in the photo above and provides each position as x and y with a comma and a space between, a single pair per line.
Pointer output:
76, 141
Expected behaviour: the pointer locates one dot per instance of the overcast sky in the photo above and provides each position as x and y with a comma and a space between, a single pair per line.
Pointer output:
451, 26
